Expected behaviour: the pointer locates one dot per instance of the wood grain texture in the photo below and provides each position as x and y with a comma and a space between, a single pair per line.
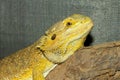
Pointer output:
99, 62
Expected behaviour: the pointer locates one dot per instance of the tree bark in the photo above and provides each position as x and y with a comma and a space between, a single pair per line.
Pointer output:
99, 62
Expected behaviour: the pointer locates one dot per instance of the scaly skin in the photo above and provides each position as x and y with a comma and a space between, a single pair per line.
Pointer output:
58, 43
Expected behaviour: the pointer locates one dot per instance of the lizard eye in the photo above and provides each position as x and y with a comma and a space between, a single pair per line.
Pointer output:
53, 37
69, 23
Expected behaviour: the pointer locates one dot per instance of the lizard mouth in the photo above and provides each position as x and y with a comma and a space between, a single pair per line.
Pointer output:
82, 37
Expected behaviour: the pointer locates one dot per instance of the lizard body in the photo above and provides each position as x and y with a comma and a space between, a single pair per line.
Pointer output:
58, 43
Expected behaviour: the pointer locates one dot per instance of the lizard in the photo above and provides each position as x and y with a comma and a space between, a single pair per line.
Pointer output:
57, 44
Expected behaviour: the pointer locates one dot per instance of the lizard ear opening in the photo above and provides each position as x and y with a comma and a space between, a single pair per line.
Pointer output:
53, 37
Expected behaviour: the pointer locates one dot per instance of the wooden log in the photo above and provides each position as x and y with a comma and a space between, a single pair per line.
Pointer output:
99, 62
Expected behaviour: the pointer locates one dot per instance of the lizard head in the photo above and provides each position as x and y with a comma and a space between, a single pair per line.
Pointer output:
65, 37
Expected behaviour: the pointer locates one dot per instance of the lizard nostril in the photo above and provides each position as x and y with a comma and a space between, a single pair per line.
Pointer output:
53, 37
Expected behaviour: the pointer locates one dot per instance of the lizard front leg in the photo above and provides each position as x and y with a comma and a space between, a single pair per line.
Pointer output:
38, 74
40, 71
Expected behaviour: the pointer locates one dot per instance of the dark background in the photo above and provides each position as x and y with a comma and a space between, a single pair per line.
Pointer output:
23, 21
